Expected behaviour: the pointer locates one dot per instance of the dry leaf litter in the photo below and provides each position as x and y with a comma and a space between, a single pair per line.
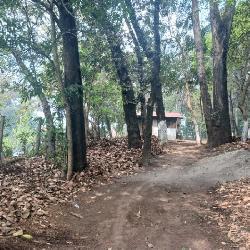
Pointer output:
29, 186
231, 211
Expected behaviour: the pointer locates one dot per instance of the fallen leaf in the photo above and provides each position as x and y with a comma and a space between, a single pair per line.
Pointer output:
18, 233
27, 236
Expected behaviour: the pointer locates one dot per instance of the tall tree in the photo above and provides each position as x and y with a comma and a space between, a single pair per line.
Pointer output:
239, 64
72, 89
179, 37
242, 79
26, 51
221, 29
140, 73
72, 83
217, 115
153, 54
119, 61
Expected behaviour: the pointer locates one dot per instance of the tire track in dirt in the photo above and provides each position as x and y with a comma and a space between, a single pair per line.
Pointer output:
120, 220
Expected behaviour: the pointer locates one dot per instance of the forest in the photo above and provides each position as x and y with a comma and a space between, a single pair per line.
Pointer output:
94, 94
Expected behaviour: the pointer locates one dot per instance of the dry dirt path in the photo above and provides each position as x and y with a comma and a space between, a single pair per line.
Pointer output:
161, 208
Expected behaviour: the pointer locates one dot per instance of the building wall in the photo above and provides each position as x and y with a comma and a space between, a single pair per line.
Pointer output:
171, 134
155, 128
171, 130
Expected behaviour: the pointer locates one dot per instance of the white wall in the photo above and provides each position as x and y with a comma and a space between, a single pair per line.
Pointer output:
155, 128
171, 134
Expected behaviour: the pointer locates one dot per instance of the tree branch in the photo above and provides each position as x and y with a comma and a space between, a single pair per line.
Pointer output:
139, 32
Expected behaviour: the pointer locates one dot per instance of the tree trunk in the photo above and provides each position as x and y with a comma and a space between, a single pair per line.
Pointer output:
56, 60
221, 118
141, 76
221, 29
72, 90
38, 136
153, 55
156, 59
129, 102
2, 121
156, 93
206, 100
146, 151
193, 115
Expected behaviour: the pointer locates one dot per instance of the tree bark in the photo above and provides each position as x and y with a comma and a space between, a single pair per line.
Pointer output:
221, 29
206, 100
2, 121
153, 55
160, 110
73, 93
56, 60
193, 115
146, 151
129, 102
38, 136
141, 75
156, 92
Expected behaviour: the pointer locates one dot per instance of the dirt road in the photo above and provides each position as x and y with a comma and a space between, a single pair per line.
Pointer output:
161, 208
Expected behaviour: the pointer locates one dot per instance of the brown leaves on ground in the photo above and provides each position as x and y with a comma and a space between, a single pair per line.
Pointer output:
29, 186
232, 146
231, 211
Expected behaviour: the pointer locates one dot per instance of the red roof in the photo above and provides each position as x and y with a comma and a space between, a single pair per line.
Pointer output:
167, 114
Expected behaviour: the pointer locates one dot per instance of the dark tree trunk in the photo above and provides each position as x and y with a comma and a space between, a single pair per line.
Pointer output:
146, 151
221, 29
38, 136
156, 92
160, 110
153, 55
129, 102
2, 121
141, 75
206, 100
72, 90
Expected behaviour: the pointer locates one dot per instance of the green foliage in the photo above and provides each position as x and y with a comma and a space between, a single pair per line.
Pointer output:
25, 28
